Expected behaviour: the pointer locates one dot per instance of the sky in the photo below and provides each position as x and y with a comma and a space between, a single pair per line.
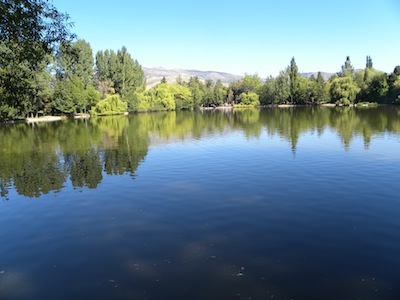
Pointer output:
242, 37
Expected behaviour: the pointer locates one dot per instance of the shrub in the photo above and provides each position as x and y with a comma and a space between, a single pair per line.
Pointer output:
111, 105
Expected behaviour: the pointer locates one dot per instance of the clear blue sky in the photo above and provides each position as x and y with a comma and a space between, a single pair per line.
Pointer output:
252, 36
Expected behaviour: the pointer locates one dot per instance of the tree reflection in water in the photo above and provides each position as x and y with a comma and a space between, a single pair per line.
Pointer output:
38, 158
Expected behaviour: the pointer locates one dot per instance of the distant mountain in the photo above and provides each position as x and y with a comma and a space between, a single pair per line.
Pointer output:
155, 75
325, 75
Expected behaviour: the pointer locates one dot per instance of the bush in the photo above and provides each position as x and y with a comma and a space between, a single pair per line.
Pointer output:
248, 99
111, 105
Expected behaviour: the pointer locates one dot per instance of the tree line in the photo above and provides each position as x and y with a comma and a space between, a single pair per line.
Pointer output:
45, 70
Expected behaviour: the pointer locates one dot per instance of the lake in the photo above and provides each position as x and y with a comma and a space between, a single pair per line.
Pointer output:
275, 203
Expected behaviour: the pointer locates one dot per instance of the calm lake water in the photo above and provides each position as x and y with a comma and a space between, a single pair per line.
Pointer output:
252, 204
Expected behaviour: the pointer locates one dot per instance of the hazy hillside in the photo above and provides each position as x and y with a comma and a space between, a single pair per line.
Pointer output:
154, 75
325, 75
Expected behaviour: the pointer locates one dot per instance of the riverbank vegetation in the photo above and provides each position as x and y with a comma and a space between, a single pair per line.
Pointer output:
45, 70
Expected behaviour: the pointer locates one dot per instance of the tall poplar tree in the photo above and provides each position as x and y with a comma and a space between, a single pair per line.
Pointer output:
347, 69
76, 59
74, 91
120, 71
293, 75
368, 64
321, 93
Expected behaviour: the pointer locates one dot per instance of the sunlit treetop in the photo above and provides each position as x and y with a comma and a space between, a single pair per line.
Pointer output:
35, 25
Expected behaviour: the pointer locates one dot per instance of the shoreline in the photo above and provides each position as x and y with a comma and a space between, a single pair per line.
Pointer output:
32, 120
44, 119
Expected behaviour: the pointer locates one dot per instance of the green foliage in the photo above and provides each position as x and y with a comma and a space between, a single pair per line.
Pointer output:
30, 88
248, 99
373, 84
267, 91
293, 71
347, 69
111, 105
393, 95
197, 90
25, 87
304, 91
141, 101
219, 93
124, 73
163, 97
182, 96
69, 96
368, 64
343, 90
276, 90
36, 26
320, 90
76, 59
251, 83
209, 95
92, 97
74, 91
282, 88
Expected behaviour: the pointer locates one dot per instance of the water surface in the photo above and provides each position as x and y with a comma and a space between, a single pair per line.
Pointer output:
251, 204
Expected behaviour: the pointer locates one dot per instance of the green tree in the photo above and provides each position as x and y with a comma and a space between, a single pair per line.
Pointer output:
304, 91
320, 89
35, 25
209, 96
343, 90
111, 105
103, 66
268, 91
393, 95
162, 97
249, 99
347, 69
76, 59
122, 72
70, 96
92, 96
219, 93
251, 83
30, 31
236, 90
293, 76
25, 87
282, 88
368, 64
75, 71
41, 91
374, 86
182, 96
197, 90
